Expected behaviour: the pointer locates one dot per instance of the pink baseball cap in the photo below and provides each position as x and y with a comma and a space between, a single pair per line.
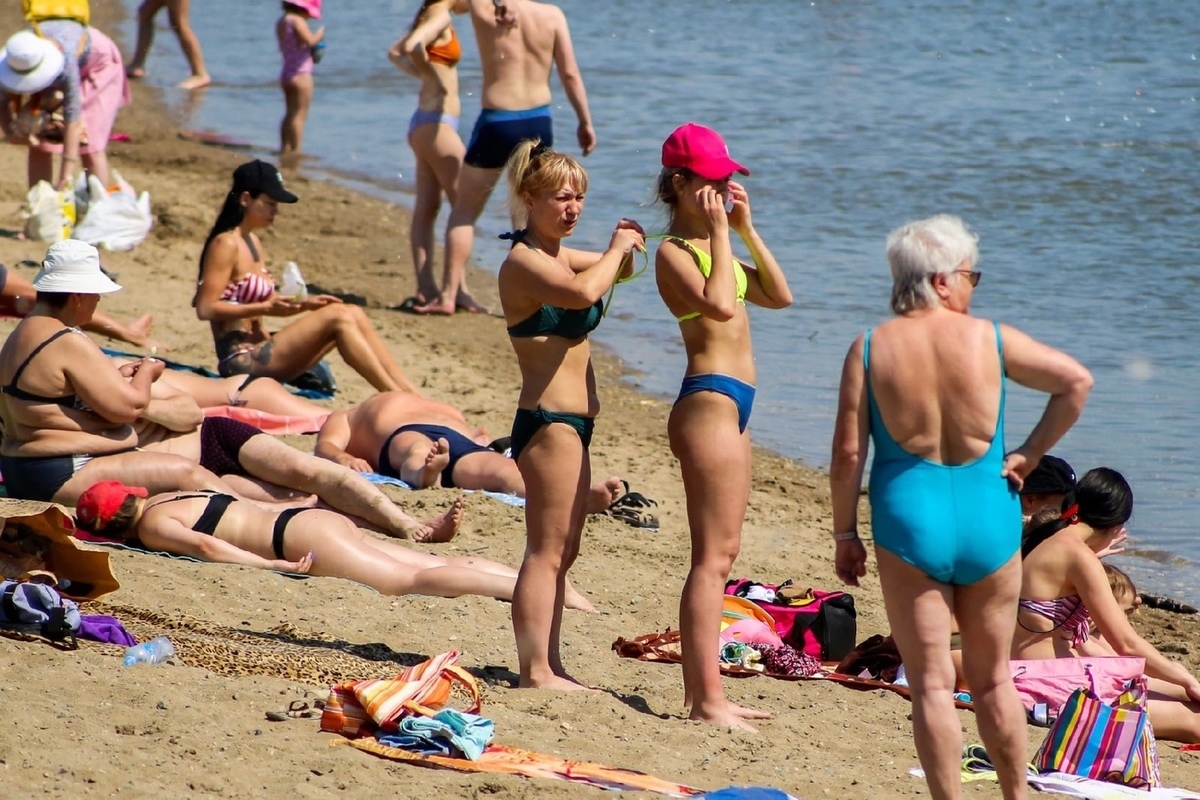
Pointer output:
700, 149
313, 7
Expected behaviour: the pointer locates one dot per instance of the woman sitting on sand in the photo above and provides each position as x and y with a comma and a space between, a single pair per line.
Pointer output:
1064, 589
553, 297
235, 291
220, 528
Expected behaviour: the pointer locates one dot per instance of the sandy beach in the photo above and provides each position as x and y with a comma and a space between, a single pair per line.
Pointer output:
80, 724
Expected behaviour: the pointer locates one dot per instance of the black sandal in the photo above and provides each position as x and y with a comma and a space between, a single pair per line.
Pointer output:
632, 508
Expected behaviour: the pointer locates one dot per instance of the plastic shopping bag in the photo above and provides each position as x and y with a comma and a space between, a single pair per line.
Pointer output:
50, 215
119, 220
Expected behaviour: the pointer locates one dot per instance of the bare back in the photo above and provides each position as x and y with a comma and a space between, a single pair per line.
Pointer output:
377, 418
517, 59
936, 378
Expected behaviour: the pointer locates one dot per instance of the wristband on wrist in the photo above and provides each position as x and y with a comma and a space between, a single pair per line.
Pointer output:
845, 536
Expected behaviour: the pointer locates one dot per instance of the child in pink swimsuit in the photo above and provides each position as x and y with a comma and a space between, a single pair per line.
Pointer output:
296, 41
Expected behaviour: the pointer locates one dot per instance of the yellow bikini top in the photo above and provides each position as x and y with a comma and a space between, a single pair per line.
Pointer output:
704, 264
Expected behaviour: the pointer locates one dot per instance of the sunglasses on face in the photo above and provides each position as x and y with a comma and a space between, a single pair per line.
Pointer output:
972, 276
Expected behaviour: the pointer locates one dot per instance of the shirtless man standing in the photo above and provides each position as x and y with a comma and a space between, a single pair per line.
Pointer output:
423, 442
520, 43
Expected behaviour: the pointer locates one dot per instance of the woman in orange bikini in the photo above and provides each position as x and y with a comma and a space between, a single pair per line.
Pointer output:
235, 291
430, 52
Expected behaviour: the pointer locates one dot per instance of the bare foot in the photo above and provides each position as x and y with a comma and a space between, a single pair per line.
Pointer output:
603, 494
435, 306
727, 714
749, 713
442, 527
142, 325
136, 73
555, 683
436, 460
573, 599
195, 82
464, 302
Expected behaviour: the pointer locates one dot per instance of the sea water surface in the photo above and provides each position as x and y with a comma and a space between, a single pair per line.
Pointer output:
1065, 133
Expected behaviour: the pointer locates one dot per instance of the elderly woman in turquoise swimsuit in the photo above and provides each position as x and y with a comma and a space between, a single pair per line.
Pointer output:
707, 289
553, 298
235, 291
928, 387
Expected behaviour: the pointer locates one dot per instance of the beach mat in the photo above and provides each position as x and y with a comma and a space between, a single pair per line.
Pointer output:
274, 424
506, 760
387, 480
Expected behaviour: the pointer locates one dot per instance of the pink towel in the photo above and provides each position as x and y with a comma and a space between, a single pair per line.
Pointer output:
275, 424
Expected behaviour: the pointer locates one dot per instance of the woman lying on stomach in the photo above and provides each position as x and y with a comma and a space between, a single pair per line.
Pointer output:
219, 527
1064, 589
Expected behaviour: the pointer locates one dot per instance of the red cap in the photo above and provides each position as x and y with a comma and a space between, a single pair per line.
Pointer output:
100, 501
702, 150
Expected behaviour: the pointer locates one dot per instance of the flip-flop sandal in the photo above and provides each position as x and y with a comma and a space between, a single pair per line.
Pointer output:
632, 508
503, 446
297, 709
409, 305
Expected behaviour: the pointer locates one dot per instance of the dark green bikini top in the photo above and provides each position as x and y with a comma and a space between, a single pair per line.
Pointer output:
568, 323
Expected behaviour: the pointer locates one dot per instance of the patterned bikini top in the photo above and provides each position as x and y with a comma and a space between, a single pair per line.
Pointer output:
1067, 613
252, 288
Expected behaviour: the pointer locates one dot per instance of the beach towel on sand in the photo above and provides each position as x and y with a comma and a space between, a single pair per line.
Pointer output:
387, 480
274, 424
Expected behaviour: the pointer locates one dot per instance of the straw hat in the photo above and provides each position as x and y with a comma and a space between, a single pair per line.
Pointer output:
82, 574
29, 63
73, 267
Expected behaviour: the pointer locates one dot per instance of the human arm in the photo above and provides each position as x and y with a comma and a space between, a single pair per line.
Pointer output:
572, 82
118, 395
851, 435
172, 536
529, 273
1037, 366
714, 296
304, 33
1086, 574
766, 285
409, 52
171, 408
216, 273
334, 438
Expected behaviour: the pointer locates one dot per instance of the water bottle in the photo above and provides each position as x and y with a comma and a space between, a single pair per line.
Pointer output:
154, 651
318, 52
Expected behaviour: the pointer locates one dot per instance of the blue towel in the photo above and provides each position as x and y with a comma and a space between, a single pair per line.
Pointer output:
747, 793
448, 732
510, 499
310, 394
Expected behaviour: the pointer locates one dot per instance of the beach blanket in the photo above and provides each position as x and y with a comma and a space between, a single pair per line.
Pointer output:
664, 647
311, 394
513, 761
274, 424
387, 480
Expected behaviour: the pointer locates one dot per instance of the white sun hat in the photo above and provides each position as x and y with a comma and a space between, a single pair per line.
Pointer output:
73, 267
29, 63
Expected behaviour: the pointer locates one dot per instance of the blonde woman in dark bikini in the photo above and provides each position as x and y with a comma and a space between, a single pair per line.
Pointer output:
235, 291
553, 298
707, 290
220, 528
430, 52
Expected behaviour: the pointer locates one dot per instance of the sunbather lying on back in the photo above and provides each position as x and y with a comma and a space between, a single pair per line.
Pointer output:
218, 527
424, 442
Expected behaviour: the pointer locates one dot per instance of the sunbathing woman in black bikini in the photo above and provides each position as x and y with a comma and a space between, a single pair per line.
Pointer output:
218, 527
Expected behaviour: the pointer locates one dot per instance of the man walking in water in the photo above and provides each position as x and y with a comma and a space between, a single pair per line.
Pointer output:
520, 42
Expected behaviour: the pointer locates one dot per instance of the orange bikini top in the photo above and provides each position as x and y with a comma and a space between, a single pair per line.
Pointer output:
449, 53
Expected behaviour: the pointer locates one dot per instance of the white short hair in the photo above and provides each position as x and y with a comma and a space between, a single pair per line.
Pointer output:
916, 251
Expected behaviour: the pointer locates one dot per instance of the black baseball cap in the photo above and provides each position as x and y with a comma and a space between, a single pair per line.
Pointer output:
259, 176
1052, 475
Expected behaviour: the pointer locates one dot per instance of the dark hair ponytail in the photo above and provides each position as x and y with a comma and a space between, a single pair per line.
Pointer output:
1103, 499
230, 216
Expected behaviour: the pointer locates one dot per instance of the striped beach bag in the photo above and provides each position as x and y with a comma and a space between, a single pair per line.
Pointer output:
359, 708
1104, 741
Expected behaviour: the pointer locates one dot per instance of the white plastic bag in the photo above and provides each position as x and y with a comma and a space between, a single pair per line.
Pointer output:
116, 221
293, 284
50, 215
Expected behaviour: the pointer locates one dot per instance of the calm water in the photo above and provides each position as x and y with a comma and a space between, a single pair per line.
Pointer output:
1063, 132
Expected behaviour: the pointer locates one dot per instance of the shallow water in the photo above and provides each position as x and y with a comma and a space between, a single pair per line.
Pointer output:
1063, 132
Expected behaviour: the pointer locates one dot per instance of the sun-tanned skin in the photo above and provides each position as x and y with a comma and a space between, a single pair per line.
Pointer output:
354, 438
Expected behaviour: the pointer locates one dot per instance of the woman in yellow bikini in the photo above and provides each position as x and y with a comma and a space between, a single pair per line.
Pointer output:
430, 52
235, 291
707, 289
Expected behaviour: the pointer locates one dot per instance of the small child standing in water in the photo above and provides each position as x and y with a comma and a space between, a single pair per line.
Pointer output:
296, 43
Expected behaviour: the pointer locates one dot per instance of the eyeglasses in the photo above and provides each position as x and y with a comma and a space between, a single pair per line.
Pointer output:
972, 276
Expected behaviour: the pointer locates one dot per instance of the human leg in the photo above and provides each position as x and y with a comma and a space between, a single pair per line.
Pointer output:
145, 36
269, 395
426, 205
39, 167
987, 617
555, 467
157, 472
475, 186
714, 458
136, 332
297, 96
918, 610
267, 458
179, 13
96, 163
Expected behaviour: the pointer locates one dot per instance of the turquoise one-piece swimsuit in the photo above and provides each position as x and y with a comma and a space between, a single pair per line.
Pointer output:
956, 523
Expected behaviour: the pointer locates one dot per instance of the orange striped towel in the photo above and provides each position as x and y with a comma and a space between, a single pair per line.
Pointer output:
359, 708
274, 424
